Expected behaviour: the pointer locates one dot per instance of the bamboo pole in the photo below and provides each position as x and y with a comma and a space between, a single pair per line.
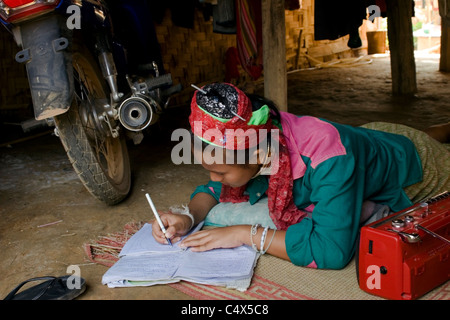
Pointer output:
401, 46
274, 52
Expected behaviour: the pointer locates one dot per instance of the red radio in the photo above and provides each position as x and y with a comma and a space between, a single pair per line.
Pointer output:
407, 254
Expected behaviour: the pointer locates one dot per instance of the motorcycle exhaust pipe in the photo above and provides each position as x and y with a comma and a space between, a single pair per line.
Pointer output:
137, 112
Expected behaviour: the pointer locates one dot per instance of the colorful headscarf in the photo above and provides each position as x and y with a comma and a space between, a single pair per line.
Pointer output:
223, 109
219, 110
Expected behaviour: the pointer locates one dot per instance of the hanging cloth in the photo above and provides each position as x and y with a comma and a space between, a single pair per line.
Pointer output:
249, 36
335, 19
224, 17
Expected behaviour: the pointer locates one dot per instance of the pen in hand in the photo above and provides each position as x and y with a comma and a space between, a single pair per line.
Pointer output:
161, 225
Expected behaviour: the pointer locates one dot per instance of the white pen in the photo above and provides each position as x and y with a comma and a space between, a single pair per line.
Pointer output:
152, 206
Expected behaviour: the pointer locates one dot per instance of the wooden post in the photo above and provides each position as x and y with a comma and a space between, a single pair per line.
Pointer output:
401, 46
274, 52
444, 63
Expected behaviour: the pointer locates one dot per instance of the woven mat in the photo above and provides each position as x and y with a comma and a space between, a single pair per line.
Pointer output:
274, 279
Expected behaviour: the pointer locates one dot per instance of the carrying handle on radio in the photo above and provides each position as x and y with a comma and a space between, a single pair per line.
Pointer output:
407, 237
434, 234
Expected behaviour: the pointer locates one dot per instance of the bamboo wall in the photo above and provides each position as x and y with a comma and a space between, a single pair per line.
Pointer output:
193, 56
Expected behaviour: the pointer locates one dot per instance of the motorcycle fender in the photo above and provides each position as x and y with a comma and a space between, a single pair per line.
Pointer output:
49, 67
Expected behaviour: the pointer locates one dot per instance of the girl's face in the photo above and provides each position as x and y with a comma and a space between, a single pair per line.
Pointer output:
233, 175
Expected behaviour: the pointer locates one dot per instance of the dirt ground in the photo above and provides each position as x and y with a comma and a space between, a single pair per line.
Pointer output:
38, 185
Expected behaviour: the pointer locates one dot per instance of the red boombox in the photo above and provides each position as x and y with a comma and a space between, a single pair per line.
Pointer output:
407, 254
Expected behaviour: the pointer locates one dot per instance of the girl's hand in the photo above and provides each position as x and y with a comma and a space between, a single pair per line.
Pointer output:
225, 237
176, 225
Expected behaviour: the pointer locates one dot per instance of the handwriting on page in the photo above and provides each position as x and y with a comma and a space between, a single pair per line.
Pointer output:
143, 268
232, 262
143, 241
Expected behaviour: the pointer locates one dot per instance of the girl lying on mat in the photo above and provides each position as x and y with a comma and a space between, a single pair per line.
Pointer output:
298, 187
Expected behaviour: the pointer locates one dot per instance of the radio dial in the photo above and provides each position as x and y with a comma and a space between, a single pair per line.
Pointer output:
398, 223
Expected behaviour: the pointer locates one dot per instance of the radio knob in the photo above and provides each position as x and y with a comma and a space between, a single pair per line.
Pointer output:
398, 223
409, 218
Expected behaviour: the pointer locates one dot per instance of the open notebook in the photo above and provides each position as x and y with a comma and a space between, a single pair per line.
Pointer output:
145, 262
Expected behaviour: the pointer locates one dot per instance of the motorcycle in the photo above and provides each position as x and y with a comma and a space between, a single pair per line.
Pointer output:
95, 75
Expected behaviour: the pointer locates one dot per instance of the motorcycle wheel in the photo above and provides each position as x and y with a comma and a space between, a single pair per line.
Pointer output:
101, 161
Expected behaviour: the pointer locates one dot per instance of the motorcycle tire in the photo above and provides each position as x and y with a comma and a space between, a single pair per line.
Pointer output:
101, 161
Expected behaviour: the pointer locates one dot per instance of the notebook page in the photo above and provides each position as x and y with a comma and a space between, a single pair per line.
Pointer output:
218, 263
146, 267
143, 241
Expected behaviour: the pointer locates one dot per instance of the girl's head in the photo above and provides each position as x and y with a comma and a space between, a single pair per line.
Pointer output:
232, 132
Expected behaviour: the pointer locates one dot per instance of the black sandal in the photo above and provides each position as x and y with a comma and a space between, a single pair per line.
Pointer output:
52, 289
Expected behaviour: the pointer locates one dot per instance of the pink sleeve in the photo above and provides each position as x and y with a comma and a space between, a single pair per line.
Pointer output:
312, 265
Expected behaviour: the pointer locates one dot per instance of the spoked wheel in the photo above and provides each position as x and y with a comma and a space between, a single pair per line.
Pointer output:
99, 157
